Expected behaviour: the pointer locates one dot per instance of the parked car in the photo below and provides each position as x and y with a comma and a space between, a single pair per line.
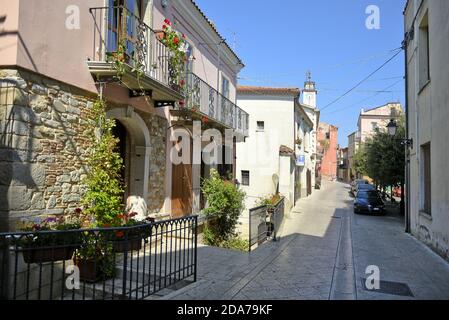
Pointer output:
397, 191
368, 201
364, 187
355, 183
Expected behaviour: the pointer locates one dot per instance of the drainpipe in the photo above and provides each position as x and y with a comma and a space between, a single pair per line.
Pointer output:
407, 152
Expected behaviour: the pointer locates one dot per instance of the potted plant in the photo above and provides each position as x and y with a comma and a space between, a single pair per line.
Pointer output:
270, 202
95, 258
41, 245
177, 46
128, 239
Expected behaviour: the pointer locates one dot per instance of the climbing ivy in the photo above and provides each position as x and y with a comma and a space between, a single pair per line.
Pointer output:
104, 189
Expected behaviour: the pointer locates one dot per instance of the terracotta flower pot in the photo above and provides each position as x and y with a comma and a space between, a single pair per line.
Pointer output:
160, 35
90, 271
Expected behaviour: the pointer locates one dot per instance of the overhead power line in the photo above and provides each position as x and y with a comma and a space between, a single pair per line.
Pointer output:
361, 82
368, 98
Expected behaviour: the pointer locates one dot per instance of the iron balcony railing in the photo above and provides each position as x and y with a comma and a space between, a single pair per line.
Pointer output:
98, 264
143, 48
265, 222
203, 98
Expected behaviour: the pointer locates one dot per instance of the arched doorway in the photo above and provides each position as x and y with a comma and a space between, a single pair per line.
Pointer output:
134, 147
120, 132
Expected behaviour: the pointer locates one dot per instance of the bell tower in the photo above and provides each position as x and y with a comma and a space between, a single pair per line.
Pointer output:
309, 92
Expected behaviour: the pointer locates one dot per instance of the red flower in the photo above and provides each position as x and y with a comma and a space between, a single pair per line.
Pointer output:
119, 234
166, 21
164, 27
121, 216
205, 119
183, 36
175, 40
182, 82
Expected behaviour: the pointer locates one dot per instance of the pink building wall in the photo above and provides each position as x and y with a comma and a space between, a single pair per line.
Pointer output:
329, 160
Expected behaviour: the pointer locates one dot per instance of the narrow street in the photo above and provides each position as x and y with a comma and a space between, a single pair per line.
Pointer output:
323, 254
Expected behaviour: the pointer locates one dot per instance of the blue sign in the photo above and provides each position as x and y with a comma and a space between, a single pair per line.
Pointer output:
301, 161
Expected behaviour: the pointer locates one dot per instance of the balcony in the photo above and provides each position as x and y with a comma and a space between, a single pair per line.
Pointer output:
204, 101
143, 51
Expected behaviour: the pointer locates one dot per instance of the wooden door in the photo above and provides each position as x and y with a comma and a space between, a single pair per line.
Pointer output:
309, 182
181, 203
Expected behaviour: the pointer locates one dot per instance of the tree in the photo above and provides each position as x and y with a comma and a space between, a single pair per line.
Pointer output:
224, 205
382, 158
360, 161
385, 157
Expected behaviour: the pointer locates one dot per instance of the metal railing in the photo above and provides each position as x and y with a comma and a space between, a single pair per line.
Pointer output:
203, 98
264, 223
98, 264
143, 48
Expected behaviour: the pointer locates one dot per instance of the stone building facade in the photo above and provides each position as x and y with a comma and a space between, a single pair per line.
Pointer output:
43, 147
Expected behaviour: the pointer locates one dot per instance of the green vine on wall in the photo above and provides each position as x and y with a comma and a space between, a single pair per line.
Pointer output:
104, 189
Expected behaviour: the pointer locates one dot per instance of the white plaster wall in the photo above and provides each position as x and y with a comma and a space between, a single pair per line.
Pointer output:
429, 111
260, 153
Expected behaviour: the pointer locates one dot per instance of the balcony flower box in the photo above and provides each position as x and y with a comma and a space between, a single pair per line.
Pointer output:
130, 239
53, 239
127, 245
42, 255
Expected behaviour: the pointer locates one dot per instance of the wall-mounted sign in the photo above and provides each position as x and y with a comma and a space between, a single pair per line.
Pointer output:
301, 161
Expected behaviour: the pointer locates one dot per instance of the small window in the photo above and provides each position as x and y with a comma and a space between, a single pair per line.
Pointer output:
426, 179
328, 135
245, 178
260, 125
423, 52
374, 126
225, 87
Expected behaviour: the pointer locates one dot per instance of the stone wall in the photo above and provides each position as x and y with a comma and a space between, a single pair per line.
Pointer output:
42, 146
156, 182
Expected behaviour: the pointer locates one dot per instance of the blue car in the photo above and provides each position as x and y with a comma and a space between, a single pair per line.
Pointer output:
368, 202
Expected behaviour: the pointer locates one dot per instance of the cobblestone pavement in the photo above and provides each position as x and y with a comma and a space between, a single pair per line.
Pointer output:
323, 254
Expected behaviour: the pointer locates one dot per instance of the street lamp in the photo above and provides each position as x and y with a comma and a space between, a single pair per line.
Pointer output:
392, 130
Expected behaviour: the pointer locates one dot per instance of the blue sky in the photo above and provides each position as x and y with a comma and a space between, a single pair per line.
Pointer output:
280, 40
